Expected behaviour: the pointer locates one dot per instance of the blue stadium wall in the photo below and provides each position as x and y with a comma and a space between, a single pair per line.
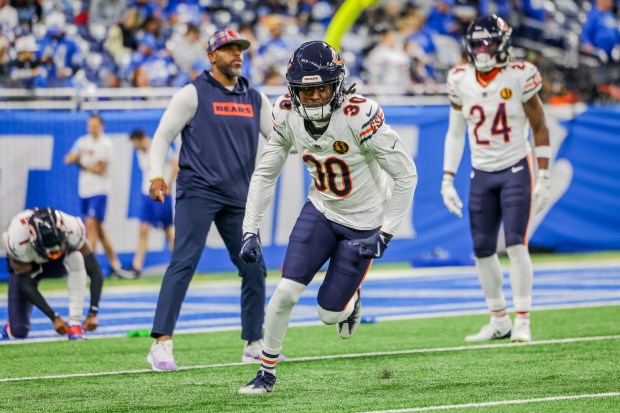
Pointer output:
583, 214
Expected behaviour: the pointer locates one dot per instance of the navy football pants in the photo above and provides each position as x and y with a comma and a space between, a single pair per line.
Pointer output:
20, 308
500, 196
314, 240
192, 221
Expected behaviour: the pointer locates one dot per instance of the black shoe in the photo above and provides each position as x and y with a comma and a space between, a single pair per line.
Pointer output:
261, 384
347, 327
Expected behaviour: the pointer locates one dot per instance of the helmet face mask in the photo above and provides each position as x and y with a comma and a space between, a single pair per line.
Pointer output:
313, 65
47, 233
488, 43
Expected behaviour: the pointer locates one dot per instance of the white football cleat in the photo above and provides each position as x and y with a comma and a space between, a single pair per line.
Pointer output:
498, 327
521, 331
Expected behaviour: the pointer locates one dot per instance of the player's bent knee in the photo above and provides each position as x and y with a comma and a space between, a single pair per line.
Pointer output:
328, 317
19, 331
287, 294
483, 247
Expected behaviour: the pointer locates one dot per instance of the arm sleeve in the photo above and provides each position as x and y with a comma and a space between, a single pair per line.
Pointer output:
263, 182
180, 111
455, 141
24, 280
394, 158
93, 270
266, 121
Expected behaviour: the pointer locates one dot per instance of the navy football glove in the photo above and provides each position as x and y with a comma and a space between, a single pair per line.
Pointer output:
251, 250
373, 246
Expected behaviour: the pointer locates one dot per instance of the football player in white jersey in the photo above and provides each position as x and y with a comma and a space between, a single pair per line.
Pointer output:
496, 99
351, 213
47, 243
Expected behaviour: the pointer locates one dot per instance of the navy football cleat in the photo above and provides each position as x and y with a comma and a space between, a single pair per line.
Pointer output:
263, 383
347, 327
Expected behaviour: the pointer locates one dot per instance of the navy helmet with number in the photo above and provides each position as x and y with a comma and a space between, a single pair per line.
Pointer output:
488, 43
316, 64
47, 233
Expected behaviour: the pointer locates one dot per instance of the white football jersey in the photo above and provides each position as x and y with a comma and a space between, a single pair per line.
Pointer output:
350, 165
92, 151
16, 239
497, 126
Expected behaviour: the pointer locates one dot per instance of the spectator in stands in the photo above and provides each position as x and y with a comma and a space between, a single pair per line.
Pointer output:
121, 39
61, 56
442, 21
420, 46
92, 154
275, 52
152, 214
600, 32
8, 18
26, 70
499, 7
387, 64
28, 12
106, 11
188, 49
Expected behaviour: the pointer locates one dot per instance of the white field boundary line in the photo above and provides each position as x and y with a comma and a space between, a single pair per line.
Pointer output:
333, 357
500, 403
439, 314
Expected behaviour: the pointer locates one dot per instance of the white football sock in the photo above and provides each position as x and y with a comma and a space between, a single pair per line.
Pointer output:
76, 284
278, 314
521, 277
490, 275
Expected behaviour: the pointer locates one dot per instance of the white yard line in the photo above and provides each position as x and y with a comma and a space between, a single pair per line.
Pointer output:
333, 357
500, 403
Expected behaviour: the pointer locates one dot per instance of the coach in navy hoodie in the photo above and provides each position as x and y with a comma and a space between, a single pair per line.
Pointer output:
220, 118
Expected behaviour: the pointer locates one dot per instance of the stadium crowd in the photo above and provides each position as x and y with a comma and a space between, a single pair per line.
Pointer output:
394, 44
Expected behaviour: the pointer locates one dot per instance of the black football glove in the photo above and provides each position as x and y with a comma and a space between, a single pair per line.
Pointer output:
251, 250
373, 246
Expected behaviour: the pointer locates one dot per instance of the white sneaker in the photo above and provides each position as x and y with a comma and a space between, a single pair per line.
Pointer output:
160, 356
521, 332
252, 352
498, 327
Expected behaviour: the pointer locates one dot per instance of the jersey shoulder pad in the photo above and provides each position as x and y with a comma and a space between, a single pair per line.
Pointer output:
16, 239
455, 77
457, 73
282, 107
76, 232
529, 78
364, 116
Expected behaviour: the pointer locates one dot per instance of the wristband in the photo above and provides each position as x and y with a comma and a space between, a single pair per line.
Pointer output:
543, 173
543, 151
156, 178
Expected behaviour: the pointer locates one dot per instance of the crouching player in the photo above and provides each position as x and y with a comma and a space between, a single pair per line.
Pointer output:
47, 243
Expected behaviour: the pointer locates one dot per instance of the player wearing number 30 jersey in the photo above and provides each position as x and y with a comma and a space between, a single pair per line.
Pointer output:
351, 154
496, 98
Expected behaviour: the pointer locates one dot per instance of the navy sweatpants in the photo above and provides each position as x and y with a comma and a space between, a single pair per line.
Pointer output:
192, 221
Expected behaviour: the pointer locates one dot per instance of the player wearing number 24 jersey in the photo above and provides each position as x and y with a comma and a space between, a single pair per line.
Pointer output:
496, 99
351, 214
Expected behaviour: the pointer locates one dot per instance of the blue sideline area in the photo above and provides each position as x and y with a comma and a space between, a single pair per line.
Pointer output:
583, 215
453, 292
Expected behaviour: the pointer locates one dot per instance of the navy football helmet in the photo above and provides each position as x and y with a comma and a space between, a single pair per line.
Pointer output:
488, 43
47, 233
315, 64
